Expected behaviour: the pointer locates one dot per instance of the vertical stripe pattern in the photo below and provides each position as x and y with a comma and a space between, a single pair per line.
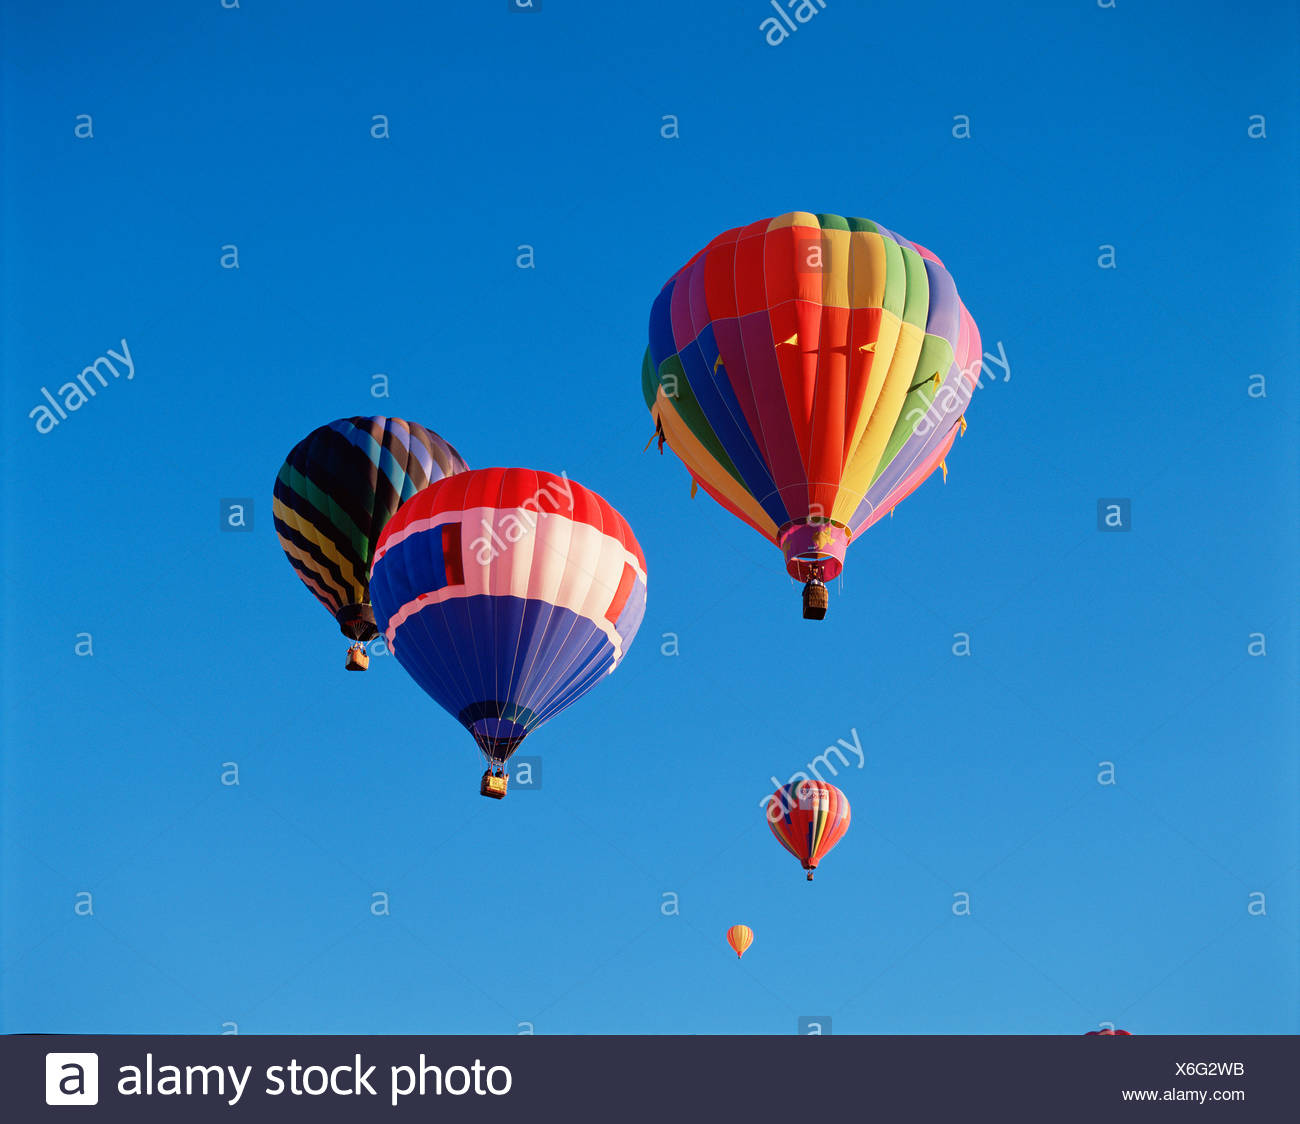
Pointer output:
808, 818
810, 371
740, 937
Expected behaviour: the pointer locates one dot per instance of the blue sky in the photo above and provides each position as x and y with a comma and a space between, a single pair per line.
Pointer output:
1128, 903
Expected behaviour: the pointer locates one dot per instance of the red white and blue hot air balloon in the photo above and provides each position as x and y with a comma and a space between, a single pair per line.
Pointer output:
507, 594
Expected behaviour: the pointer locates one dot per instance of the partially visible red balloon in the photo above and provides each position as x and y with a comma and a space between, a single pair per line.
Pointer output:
1125, 1033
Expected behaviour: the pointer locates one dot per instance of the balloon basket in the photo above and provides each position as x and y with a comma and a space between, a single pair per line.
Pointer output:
358, 658
493, 786
810, 874
816, 600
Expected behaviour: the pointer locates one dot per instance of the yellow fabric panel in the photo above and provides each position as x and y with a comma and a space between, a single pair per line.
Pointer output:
880, 363
794, 218
862, 464
866, 269
835, 281
846, 503
701, 462
327, 548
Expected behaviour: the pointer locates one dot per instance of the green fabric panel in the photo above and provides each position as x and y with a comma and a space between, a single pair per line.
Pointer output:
688, 409
840, 222
917, 309
895, 278
649, 380
335, 518
936, 355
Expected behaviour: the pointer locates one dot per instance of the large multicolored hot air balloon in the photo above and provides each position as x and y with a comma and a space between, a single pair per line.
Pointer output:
808, 818
740, 937
507, 594
334, 494
810, 371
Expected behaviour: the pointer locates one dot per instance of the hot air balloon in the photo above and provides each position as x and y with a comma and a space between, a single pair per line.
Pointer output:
810, 371
740, 937
335, 492
507, 594
808, 818
1125, 1033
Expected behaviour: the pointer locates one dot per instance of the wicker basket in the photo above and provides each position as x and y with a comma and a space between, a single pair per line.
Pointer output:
495, 787
816, 600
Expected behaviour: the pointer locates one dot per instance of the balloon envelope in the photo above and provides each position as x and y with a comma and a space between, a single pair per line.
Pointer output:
808, 818
334, 494
507, 594
740, 937
810, 371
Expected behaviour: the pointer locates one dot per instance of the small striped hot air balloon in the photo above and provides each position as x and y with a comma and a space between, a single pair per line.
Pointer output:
740, 937
507, 594
808, 818
334, 495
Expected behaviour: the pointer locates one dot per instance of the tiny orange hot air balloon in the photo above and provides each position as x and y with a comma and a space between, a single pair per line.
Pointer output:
740, 937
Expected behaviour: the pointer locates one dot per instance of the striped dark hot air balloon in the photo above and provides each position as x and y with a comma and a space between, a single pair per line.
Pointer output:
334, 495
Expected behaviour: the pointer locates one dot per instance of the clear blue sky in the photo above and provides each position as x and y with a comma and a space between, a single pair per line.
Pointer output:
1126, 903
